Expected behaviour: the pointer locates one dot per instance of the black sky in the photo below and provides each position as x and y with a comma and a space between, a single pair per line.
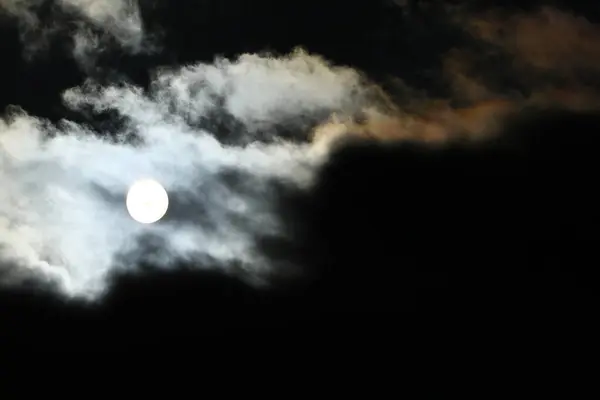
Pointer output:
394, 235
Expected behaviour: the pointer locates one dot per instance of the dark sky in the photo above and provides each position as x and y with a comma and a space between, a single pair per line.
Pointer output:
396, 237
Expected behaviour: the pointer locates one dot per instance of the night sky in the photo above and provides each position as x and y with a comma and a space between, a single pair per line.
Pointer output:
371, 166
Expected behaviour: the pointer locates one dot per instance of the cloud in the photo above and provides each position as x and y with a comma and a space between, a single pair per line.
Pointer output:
506, 62
121, 18
91, 24
548, 39
543, 55
63, 211
222, 137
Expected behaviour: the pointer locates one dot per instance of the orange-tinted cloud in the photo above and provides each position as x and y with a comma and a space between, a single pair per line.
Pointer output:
549, 39
547, 59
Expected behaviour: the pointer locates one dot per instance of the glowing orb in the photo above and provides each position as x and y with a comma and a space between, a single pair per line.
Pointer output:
147, 201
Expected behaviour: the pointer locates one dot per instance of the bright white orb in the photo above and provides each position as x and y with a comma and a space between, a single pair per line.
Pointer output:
147, 201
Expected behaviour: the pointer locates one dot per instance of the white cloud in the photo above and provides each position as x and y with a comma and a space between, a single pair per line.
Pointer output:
62, 207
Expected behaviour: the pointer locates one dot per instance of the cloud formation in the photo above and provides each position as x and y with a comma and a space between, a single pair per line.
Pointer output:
509, 61
222, 136
91, 26
63, 206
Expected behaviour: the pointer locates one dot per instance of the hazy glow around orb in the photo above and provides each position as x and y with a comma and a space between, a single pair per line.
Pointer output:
147, 201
